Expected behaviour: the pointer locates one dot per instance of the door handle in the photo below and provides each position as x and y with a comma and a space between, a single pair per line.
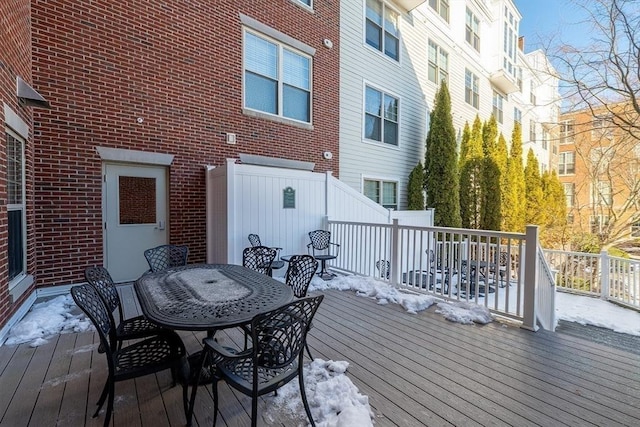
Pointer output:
160, 225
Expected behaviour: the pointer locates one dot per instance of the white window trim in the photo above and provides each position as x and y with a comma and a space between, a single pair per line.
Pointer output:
363, 112
307, 7
381, 179
381, 53
264, 31
477, 79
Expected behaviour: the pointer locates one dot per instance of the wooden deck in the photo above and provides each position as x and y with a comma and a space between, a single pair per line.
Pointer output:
416, 369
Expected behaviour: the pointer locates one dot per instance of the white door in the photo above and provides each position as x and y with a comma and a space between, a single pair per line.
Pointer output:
135, 212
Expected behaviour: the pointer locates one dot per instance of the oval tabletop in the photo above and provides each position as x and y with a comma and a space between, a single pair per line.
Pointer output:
208, 296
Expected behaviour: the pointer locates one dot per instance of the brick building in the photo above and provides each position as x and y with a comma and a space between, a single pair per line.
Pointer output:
150, 92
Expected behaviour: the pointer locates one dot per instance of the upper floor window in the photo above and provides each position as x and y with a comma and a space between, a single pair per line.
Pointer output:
519, 78
472, 30
305, 2
441, 7
382, 192
601, 194
382, 29
569, 193
545, 139
16, 230
438, 63
277, 78
532, 94
602, 128
567, 163
532, 131
510, 42
498, 100
566, 132
517, 115
471, 89
381, 116
599, 223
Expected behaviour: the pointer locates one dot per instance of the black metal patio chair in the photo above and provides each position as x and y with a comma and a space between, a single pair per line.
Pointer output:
126, 329
384, 267
258, 258
164, 257
276, 357
151, 355
323, 249
277, 263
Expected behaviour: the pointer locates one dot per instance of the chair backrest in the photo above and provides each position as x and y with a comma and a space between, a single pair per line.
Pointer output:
101, 280
254, 239
163, 257
92, 304
299, 274
258, 258
384, 267
320, 239
280, 335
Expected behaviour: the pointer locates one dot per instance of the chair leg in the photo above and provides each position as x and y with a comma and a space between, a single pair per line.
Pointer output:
254, 411
214, 388
303, 394
107, 417
194, 388
306, 346
102, 398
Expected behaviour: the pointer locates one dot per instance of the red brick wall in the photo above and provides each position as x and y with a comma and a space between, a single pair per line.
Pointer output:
15, 60
178, 65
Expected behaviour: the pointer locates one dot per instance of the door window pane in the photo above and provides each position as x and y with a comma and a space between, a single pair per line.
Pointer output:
137, 200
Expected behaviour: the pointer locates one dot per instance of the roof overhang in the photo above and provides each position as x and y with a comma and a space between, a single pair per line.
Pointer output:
501, 80
252, 159
29, 96
409, 5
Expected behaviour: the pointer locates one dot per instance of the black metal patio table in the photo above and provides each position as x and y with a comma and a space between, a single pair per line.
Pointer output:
205, 297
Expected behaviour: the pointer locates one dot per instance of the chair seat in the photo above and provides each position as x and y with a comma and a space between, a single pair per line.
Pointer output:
150, 355
240, 372
137, 327
277, 264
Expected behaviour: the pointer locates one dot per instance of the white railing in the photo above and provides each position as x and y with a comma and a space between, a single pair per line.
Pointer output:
484, 267
545, 294
611, 278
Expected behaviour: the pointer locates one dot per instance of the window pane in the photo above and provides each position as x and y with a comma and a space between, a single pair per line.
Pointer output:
14, 170
296, 104
372, 190
261, 56
374, 12
374, 35
261, 93
391, 44
373, 101
391, 22
389, 194
296, 70
390, 132
390, 108
137, 200
15, 244
372, 127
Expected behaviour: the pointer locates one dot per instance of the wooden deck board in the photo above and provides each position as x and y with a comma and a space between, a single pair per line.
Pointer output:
416, 369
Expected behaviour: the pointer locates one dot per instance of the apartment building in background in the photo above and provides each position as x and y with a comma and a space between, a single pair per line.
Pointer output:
599, 167
394, 54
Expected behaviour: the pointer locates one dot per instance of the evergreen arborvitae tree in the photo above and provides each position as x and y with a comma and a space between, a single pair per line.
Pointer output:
415, 197
502, 158
514, 200
442, 163
464, 144
534, 213
471, 176
490, 213
555, 207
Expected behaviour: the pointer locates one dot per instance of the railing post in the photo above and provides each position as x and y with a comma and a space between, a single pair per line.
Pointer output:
394, 268
530, 278
605, 268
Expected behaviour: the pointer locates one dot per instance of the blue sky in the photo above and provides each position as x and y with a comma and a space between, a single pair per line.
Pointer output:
544, 19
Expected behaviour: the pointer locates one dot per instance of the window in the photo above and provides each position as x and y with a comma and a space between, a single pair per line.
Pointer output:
305, 2
570, 218
441, 7
569, 193
517, 115
472, 30
567, 163
16, 234
277, 79
600, 158
381, 116
382, 192
545, 140
601, 128
519, 79
471, 91
532, 94
532, 131
498, 100
382, 29
601, 194
510, 42
438, 63
635, 229
599, 223
566, 132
